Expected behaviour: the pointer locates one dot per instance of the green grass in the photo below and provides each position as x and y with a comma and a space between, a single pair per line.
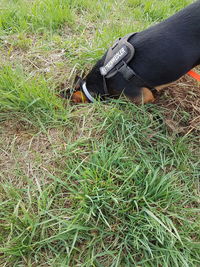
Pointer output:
88, 185
23, 94
23, 15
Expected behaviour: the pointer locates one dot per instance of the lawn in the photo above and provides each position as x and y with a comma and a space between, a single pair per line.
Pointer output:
112, 184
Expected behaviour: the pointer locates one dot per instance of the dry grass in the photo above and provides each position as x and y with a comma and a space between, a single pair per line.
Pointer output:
182, 105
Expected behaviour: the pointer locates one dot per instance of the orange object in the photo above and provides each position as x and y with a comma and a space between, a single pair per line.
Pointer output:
79, 97
194, 75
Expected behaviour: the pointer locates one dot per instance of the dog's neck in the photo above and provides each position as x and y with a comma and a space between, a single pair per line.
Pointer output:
94, 80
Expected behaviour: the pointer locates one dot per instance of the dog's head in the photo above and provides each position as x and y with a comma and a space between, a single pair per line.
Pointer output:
110, 76
94, 86
82, 93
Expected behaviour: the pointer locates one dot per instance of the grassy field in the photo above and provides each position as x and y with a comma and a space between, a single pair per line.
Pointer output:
94, 184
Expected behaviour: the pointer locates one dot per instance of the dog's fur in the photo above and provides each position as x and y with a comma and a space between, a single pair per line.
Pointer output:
163, 53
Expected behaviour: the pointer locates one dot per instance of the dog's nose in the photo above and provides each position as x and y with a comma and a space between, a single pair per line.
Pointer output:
79, 97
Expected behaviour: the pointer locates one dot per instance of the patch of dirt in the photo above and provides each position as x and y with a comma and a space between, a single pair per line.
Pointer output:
181, 102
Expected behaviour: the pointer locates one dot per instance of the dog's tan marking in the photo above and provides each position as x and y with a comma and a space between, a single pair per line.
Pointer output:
79, 97
147, 96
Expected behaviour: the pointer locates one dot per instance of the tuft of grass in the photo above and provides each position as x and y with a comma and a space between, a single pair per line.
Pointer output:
31, 96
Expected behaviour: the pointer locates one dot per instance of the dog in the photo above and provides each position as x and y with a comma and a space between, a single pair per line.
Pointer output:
160, 55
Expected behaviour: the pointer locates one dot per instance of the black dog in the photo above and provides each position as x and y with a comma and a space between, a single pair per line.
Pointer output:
162, 54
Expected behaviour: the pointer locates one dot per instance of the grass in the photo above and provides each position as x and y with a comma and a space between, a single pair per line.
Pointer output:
88, 185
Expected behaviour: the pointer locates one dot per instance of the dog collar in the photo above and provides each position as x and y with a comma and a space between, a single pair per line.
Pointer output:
87, 93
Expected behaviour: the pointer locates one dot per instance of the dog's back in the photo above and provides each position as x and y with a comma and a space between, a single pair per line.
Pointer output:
173, 45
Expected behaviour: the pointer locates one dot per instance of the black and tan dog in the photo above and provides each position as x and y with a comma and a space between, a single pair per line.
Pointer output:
160, 55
